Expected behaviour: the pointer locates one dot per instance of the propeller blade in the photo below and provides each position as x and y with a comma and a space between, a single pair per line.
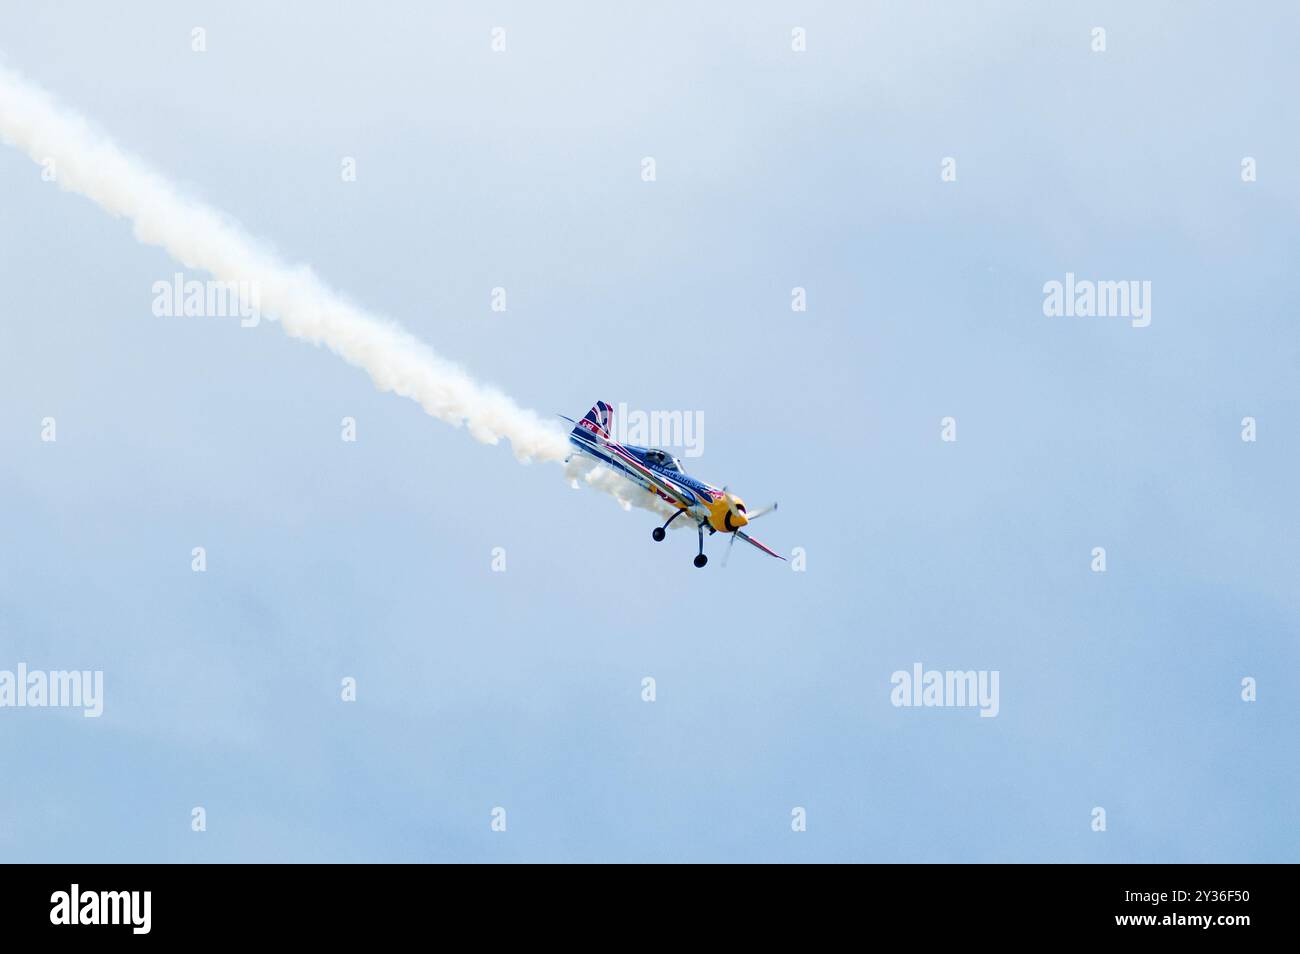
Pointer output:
755, 514
727, 554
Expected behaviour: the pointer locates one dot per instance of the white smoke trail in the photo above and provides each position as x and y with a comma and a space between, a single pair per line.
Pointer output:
90, 164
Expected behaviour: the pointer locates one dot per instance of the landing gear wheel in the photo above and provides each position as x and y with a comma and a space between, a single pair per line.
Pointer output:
701, 560
658, 534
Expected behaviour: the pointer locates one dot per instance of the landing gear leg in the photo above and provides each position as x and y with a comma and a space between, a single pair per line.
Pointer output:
658, 532
701, 559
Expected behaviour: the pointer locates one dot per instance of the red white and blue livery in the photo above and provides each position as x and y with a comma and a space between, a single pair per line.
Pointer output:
659, 472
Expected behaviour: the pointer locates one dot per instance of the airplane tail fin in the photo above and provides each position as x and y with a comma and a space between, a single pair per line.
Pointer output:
599, 421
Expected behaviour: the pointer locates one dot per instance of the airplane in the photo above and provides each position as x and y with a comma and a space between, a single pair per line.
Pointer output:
658, 472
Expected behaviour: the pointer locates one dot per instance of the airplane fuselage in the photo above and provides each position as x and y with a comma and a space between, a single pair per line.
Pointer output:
702, 500
658, 472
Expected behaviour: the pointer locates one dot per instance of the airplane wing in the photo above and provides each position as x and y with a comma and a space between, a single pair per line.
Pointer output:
752, 542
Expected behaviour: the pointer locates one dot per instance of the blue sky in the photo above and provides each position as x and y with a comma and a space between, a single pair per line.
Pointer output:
522, 689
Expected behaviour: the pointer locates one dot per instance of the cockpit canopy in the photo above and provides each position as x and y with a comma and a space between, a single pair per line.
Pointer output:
661, 458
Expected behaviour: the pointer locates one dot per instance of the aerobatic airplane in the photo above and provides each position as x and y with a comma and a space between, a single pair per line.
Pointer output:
658, 472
